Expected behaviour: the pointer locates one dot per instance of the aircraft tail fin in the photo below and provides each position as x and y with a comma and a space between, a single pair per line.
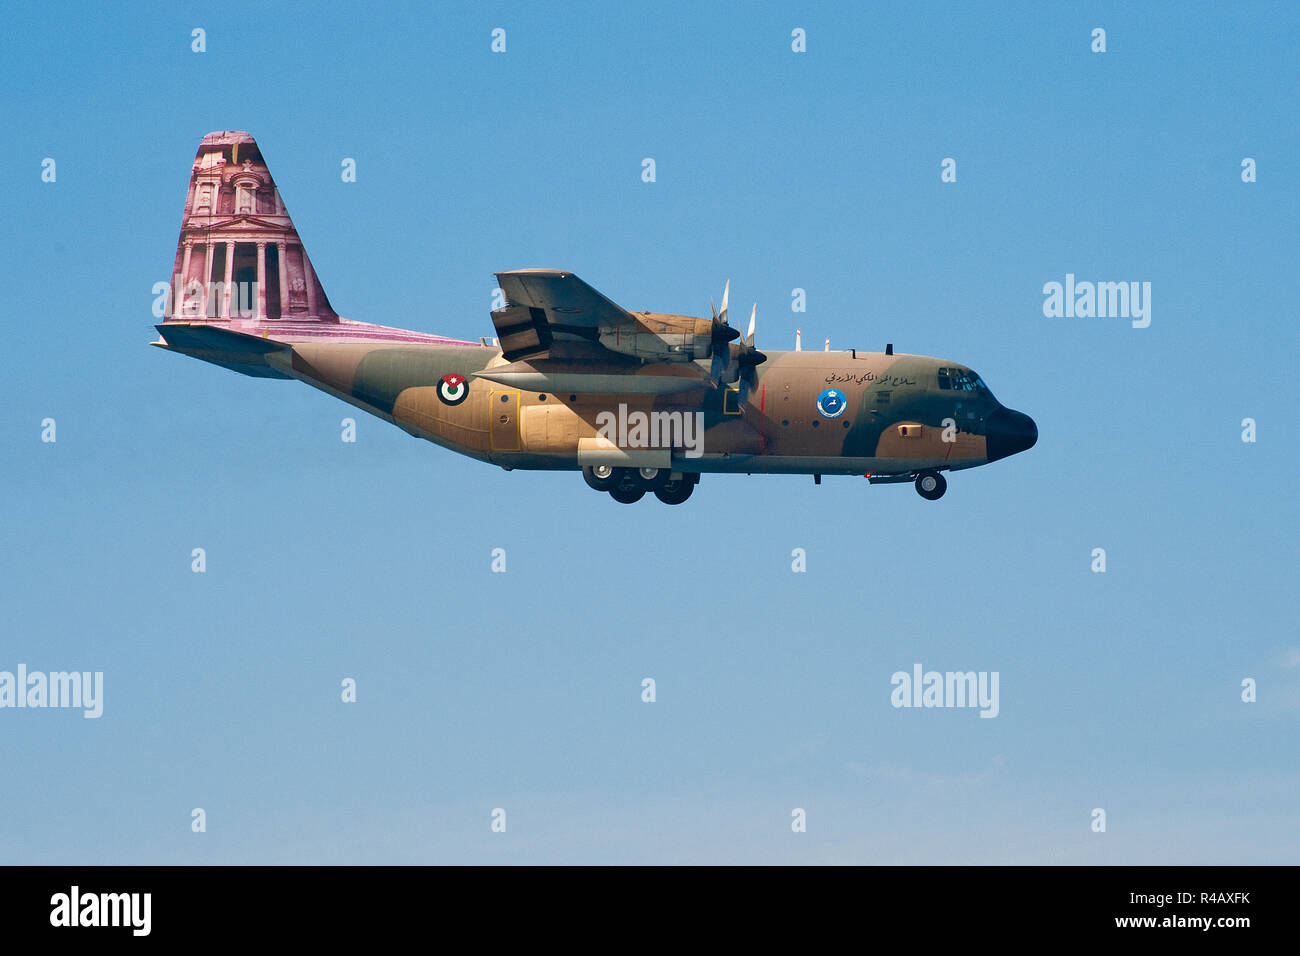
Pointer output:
239, 255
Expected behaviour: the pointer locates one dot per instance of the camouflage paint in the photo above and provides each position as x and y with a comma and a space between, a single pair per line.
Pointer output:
562, 332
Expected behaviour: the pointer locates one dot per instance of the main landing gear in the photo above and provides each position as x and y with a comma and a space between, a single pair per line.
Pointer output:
629, 485
931, 485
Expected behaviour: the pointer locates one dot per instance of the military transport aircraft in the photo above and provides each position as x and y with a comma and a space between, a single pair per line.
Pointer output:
638, 401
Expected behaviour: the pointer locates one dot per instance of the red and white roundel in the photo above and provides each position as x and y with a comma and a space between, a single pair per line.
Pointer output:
453, 389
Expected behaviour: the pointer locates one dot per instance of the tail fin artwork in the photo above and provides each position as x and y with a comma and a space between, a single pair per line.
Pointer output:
243, 294
239, 256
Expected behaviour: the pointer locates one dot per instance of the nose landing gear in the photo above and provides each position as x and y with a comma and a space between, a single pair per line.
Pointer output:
931, 485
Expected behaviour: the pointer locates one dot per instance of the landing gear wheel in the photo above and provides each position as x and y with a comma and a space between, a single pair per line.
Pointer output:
652, 479
627, 488
600, 477
627, 496
931, 485
675, 492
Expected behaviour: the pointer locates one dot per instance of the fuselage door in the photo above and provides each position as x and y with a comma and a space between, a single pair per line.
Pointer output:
503, 419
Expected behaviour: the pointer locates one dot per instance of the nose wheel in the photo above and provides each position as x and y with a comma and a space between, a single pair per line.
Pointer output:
931, 485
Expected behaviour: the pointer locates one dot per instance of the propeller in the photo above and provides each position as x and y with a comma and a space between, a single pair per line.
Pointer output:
720, 337
732, 363
747, 357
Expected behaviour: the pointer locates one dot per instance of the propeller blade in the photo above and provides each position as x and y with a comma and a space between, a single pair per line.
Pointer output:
745, 380
718, 367
718, 339
721, 368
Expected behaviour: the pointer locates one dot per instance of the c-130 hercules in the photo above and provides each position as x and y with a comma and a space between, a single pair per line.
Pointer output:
639, 401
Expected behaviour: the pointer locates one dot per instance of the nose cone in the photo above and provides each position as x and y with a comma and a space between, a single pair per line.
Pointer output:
1010, 432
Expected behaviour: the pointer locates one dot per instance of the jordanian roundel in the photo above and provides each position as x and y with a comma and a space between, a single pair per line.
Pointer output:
453, 389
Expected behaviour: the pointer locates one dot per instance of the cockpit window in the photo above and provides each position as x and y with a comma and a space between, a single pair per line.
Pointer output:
956, 379
961, 380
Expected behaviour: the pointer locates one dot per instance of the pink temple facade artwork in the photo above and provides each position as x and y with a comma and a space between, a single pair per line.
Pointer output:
239, 255
240, 263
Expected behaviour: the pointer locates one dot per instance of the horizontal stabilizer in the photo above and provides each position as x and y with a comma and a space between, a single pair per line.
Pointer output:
237, 351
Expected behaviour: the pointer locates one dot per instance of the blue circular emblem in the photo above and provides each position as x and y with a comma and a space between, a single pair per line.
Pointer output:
832, 403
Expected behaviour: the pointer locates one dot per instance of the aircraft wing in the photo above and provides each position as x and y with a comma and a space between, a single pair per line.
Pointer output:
546, 305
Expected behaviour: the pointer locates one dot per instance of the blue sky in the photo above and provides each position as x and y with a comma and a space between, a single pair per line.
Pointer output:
521, 690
